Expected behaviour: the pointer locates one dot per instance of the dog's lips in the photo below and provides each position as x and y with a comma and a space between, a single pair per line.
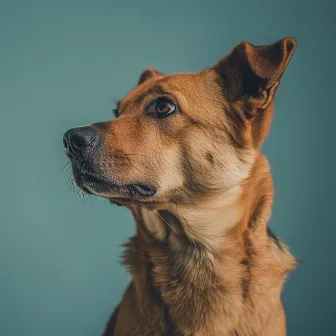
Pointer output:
93, 184
143, 189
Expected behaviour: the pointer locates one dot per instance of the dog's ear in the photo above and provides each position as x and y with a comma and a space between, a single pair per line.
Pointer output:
253, 72
149, 73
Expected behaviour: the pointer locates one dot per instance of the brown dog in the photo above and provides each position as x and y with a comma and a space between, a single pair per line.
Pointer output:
183, 156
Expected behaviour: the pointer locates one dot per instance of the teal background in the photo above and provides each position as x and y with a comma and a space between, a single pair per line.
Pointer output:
61, 65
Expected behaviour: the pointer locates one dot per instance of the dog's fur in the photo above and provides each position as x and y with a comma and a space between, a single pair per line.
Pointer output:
203, 261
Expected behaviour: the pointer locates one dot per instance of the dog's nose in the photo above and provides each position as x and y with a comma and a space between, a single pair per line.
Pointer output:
76, 140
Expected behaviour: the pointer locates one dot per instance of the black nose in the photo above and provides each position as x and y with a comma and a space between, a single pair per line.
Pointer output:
76, 140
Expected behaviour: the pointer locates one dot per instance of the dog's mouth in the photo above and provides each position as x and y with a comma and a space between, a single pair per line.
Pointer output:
92, 183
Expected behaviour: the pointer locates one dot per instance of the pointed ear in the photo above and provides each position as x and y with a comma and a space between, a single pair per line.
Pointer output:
149, 73
254, 72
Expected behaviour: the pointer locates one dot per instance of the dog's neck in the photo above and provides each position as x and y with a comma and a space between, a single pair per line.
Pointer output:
202, 259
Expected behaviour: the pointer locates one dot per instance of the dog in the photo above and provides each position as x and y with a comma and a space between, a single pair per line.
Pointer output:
183, 155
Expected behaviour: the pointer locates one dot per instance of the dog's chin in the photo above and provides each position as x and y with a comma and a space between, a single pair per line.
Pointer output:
116, 192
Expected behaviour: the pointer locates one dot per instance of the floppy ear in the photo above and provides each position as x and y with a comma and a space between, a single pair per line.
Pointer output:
149, 73
253, 72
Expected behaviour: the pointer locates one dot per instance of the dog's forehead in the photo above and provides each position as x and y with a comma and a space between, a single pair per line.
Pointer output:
179, 83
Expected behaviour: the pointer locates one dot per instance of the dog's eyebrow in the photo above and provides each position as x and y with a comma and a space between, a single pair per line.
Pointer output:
159, 90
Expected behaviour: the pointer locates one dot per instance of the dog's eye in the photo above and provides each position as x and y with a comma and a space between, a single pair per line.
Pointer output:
115, 111
163, 107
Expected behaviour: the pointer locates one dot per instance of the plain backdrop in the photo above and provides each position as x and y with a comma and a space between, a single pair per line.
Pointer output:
61, 65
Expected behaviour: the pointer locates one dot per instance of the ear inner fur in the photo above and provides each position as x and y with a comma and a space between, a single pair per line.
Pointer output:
149, 73
249, 69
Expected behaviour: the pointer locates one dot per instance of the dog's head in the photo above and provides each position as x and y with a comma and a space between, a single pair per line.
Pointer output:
177, 137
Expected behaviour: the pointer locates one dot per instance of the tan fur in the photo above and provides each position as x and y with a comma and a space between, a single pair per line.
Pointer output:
216, 273
202, 262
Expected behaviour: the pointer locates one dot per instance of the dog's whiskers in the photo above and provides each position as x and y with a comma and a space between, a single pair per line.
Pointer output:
166, 222
72, 185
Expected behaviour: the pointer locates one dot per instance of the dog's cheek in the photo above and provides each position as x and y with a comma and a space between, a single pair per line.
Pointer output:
171, 176
212, 163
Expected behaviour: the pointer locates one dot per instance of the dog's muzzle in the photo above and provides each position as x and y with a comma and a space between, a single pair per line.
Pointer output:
82, 147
